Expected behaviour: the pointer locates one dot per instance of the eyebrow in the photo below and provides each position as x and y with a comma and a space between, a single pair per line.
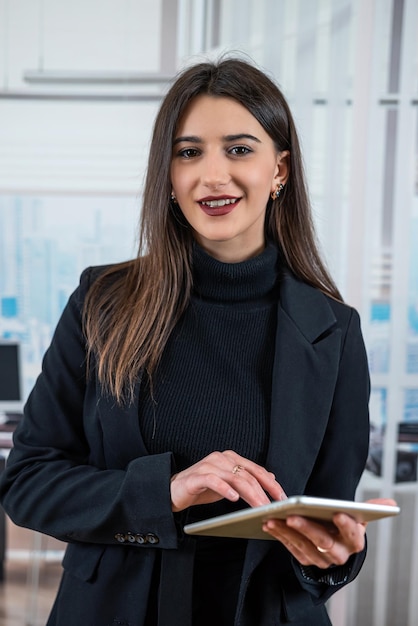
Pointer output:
196, 139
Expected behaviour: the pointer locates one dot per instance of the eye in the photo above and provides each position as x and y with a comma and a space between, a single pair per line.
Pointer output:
239, 150
188, 153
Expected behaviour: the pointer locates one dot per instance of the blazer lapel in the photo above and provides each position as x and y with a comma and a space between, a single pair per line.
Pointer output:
304, 375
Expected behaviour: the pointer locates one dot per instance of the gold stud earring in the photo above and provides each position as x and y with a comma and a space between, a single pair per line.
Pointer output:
275, 194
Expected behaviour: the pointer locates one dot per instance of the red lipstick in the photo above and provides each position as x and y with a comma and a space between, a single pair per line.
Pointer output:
218, 205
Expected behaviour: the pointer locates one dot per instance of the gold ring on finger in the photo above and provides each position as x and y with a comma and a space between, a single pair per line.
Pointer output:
325, 550
237, 468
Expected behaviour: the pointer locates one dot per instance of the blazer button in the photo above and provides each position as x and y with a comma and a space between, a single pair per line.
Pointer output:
131, 538
140, 539
120, 537
151, 538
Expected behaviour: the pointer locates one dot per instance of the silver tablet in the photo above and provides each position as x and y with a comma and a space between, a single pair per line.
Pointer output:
248, 523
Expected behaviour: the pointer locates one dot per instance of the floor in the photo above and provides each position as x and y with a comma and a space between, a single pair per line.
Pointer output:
31, 577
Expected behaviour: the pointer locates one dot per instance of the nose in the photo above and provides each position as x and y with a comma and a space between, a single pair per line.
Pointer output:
215, 172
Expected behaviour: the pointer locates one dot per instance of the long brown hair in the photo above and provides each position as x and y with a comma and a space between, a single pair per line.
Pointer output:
132, 308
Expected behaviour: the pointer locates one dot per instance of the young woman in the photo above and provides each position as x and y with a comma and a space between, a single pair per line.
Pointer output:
217, 370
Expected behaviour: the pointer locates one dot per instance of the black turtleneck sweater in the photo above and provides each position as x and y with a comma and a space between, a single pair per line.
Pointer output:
212, 391
213, 386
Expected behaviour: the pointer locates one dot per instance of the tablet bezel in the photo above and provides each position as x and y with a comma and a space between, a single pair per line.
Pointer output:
247, 523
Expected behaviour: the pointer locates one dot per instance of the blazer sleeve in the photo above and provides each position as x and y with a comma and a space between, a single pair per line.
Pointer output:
56, 480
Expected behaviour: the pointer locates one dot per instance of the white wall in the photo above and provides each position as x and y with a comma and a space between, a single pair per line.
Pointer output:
77, 137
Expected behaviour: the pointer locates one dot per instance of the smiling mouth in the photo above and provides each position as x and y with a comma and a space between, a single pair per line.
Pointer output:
212, 204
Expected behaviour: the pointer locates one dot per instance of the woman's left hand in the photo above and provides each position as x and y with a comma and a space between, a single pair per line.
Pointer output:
321, 544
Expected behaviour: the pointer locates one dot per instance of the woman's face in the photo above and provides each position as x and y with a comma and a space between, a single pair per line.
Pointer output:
224, 167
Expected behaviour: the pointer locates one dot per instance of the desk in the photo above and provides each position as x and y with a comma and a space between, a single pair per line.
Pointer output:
6, 443
2, 529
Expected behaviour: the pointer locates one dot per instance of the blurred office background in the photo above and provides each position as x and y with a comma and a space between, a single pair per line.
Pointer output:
80, 84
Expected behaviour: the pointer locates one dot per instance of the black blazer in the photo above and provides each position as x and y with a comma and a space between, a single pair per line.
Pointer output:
79, 471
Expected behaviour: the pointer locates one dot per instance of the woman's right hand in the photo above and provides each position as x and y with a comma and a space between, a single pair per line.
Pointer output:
224, 475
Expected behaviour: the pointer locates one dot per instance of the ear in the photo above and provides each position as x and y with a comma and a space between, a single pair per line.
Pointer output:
282, 169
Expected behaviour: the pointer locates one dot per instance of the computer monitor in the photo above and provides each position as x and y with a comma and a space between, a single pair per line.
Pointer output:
11, 388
